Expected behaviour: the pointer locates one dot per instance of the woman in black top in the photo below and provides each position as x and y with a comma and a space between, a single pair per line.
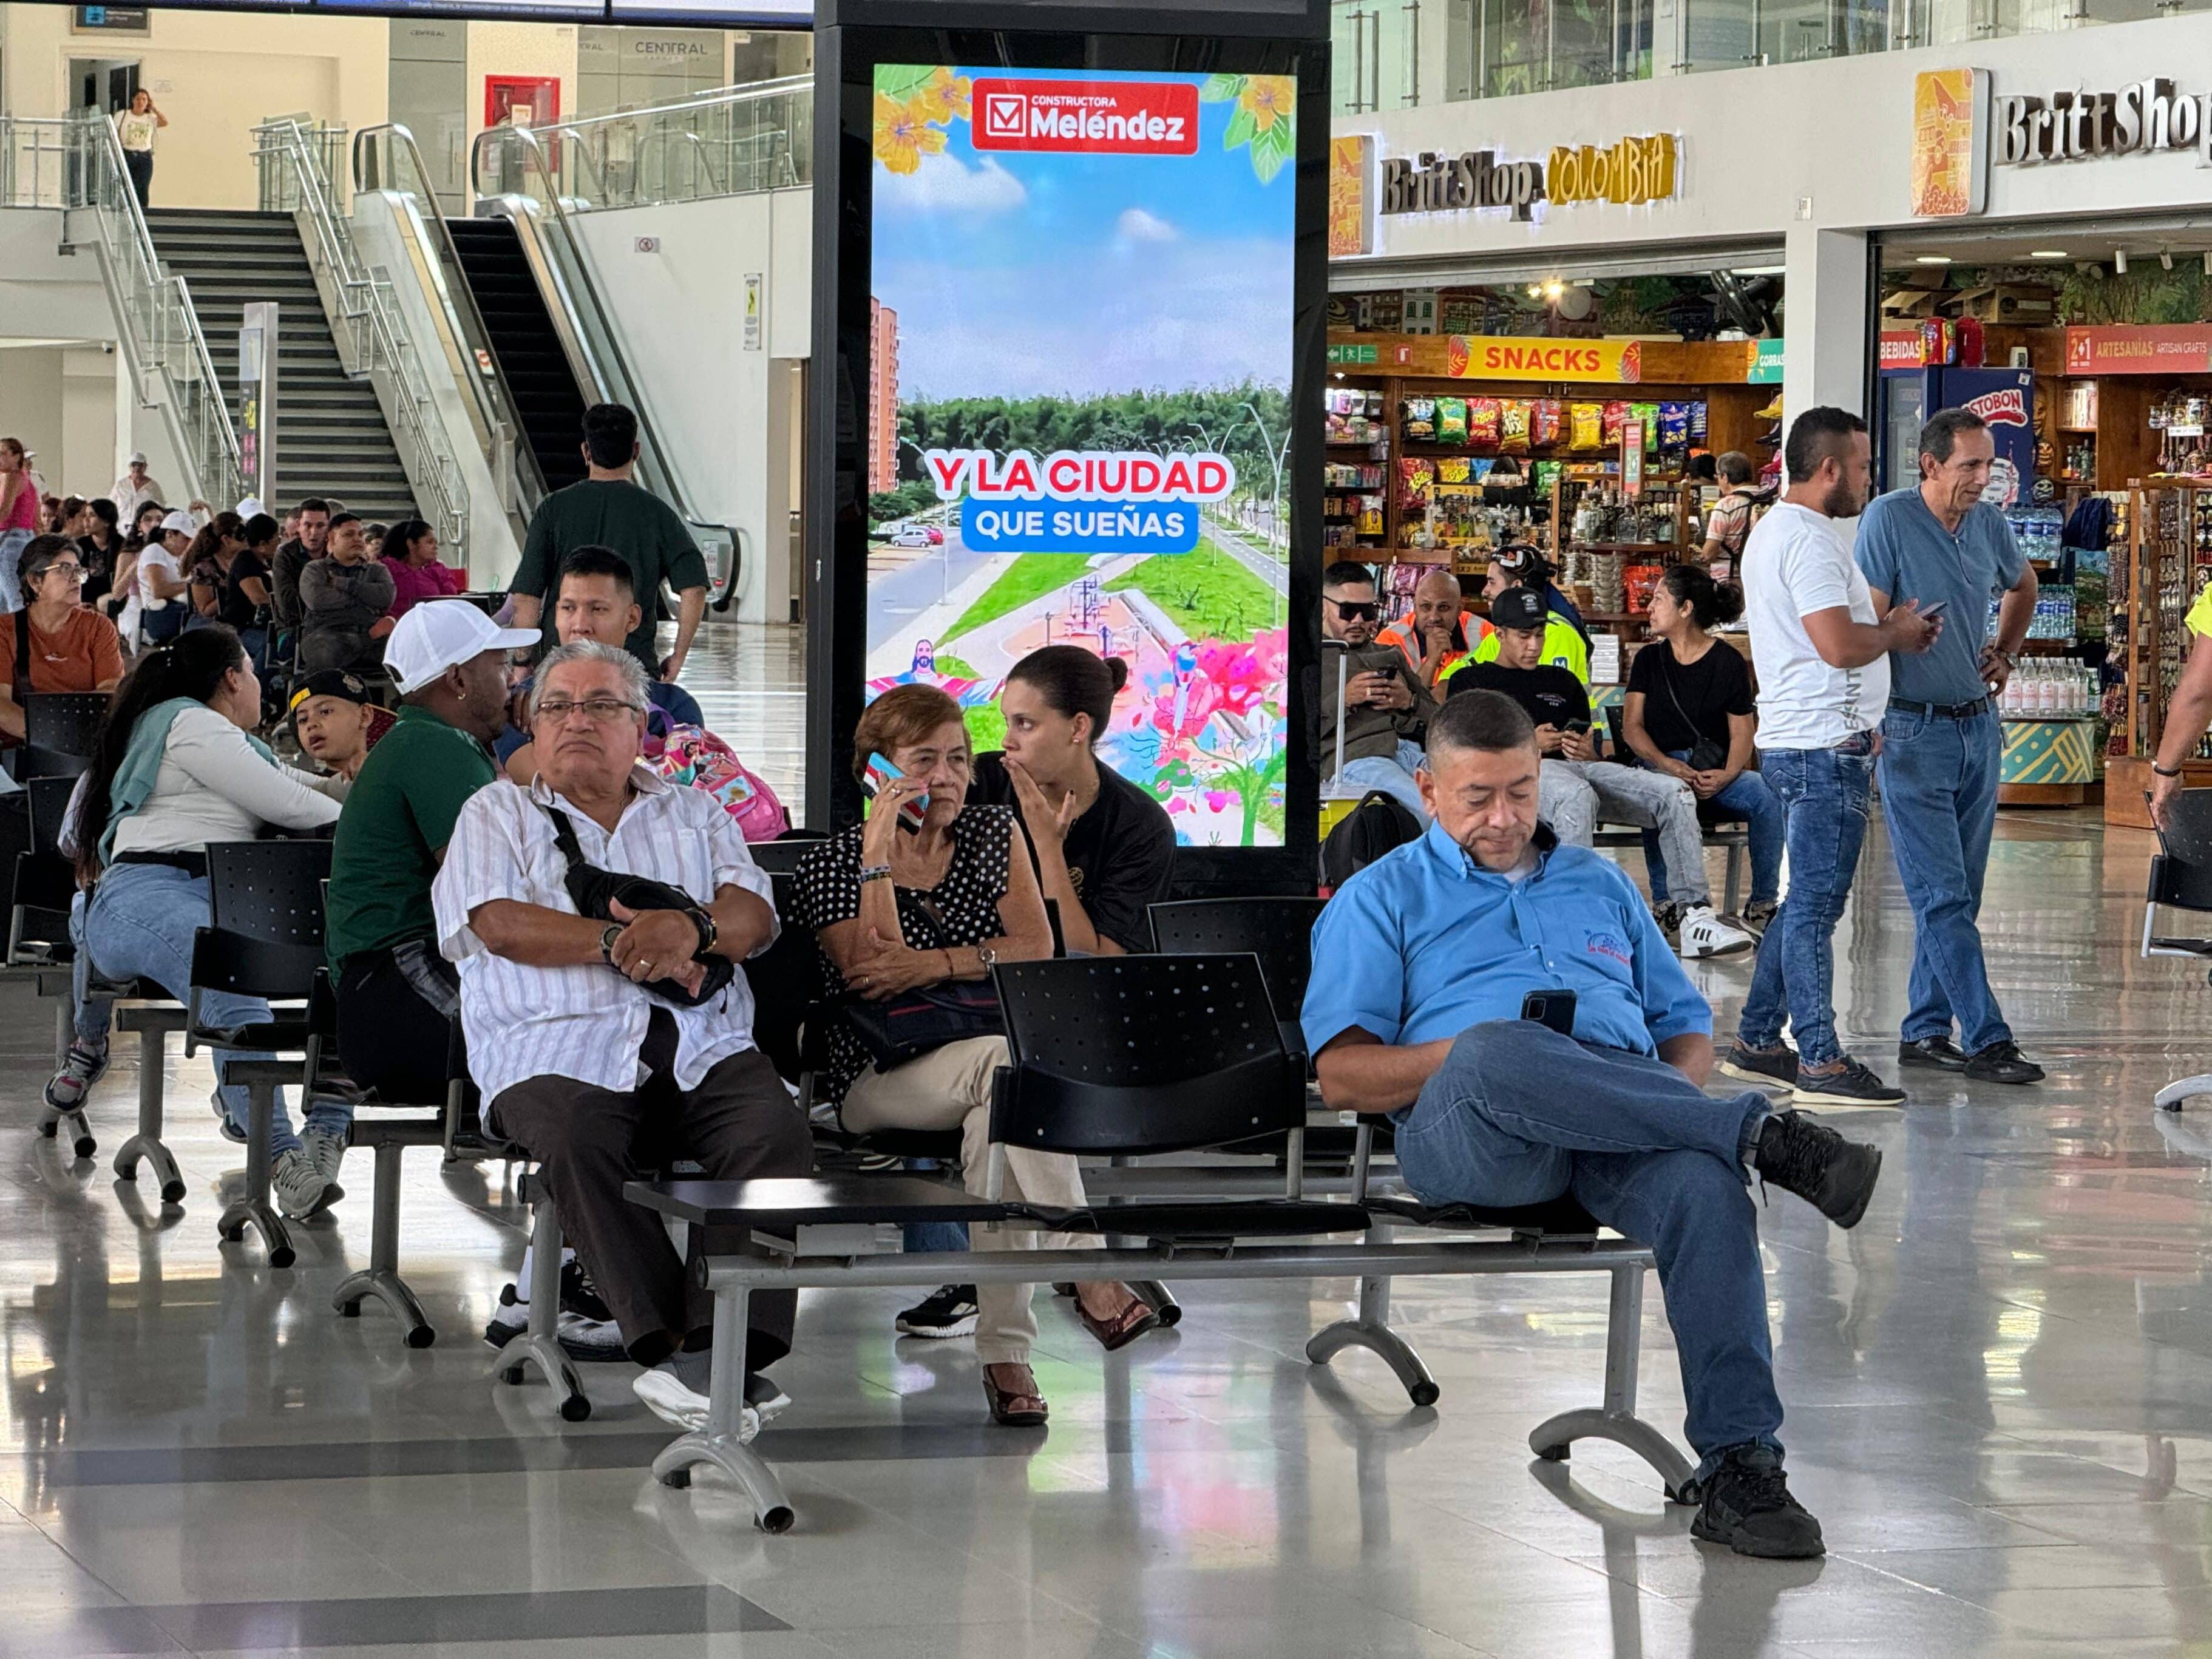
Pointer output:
1688, 692
1103, 849
246, 585
100, 547
893, 909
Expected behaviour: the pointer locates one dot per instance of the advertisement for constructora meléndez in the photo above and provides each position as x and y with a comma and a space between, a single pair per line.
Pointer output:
1080, 413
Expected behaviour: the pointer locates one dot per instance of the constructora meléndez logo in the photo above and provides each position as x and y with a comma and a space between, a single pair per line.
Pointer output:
1079, 500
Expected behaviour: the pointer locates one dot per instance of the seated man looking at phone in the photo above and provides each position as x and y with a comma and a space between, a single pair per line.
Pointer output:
1577, 789
1434, 951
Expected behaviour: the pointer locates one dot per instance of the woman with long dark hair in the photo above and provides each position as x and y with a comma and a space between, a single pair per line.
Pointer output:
177, 767
1689, 712
100, 547
207, 563
409, 552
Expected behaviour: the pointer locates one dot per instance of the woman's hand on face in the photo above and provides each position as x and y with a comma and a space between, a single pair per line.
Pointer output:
1042, 821
885, 968
883, 831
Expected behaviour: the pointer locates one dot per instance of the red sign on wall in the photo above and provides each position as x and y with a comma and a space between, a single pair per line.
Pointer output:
1107, 118
1901, 349
2176, 348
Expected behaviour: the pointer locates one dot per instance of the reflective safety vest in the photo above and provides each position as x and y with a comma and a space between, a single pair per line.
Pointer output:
1407, 638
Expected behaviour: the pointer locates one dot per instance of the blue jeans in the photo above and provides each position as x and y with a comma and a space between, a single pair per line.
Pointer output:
932, 1238
140, 925
1394, 776
1519, 1115
1748, 799
1825, 795
1939, 792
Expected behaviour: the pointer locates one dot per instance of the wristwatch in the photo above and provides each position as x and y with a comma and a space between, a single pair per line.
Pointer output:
608, 935
2007, 657
709, 932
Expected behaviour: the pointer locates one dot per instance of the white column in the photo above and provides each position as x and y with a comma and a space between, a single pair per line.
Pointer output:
1825, 292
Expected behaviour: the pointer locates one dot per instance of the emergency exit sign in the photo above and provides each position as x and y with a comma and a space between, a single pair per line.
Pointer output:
128, 19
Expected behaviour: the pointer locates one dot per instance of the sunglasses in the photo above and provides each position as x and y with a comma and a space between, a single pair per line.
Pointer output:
1362, 610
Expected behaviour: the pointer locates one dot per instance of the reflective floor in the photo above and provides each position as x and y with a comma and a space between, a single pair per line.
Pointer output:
2000, 1394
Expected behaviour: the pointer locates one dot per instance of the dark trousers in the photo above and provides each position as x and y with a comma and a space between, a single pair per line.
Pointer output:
739, 1122
139, 163
395, 1028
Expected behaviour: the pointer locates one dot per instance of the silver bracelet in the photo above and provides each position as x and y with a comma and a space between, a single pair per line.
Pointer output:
875, 872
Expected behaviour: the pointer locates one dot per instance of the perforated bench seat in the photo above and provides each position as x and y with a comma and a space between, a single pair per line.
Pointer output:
1206, 1221
1562, 1218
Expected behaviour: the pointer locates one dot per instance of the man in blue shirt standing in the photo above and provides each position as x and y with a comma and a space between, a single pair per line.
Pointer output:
1428, 953
1942, 545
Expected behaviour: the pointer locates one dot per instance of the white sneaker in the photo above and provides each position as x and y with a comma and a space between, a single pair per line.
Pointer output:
1705, 934
326, 1151
301, 1190
680, 1408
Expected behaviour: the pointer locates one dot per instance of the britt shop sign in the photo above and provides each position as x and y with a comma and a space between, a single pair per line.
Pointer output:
1630, 171
1961, 129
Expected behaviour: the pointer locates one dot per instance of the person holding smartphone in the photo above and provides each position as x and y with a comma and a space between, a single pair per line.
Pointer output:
1385, 706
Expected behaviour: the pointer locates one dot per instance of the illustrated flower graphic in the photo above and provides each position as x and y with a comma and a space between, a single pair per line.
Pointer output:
1267, 98
945, 98
903, 136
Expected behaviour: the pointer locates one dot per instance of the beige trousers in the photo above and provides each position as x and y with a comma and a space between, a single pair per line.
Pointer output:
951, 1089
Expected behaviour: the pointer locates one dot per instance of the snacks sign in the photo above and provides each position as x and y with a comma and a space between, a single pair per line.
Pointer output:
1499, 357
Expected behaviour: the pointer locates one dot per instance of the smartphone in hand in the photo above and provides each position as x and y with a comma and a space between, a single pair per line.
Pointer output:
911, 812
1551, 1009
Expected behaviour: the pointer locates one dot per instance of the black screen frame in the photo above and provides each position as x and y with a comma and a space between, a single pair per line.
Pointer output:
1182, 40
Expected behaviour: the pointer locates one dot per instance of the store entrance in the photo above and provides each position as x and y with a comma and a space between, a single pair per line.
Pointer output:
2087, 347
106, 84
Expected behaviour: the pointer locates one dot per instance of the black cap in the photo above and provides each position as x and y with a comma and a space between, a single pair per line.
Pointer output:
1522, 608
331, 682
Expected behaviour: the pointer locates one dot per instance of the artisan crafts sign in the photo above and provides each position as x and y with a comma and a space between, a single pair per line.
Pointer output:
2149, 348
1629, 172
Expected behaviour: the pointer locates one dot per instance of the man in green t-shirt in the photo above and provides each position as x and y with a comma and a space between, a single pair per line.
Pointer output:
611, 509
396, 993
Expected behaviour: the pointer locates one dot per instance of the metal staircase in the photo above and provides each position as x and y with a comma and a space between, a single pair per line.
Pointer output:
332, 438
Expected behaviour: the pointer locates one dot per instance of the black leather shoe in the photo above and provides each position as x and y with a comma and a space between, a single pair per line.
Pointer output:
2003, 1063
1935, 1053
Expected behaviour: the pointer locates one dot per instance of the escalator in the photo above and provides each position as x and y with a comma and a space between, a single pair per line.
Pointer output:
522, 335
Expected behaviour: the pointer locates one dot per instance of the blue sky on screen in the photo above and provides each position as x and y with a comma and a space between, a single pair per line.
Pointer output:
1022, 274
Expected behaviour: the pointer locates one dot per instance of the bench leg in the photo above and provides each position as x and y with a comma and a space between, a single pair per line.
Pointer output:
718, 1444
1370, 1329
540, 1345
147, 1142
1618, 1421
1733, 880
65, 1028
254, 1208
1159, 1298
2170, 1097
381, 1279
81, 1142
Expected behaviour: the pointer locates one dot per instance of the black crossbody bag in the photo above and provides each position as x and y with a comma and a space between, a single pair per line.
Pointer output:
596, 892
1705, 754
925, 1019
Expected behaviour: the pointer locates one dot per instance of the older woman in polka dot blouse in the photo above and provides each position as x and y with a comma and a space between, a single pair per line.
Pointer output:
893, 909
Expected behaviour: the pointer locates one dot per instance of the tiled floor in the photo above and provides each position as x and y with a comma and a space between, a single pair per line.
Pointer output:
2000, 1391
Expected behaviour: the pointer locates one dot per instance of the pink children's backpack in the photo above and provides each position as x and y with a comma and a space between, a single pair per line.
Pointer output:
696, 759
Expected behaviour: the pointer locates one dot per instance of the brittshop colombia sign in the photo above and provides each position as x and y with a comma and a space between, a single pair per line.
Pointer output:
1629, 172
2074, 125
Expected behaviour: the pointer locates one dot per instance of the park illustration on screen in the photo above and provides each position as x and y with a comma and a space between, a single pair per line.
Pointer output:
1079, 408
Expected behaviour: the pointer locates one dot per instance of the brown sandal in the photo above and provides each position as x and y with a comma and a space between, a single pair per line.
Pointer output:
1124, 1327
1014, 1411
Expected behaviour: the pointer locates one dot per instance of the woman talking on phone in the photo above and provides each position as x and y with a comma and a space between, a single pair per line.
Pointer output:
927, 892
1103, 849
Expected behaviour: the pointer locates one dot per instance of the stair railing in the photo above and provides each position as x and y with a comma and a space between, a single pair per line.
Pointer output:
373, 342
158, 330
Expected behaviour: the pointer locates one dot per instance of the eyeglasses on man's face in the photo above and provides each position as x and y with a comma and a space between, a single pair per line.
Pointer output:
600, 711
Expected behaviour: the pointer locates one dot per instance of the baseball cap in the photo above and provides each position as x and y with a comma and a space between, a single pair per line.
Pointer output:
442, 633
182, 522
331, 682
249, 506
137, 459
1522, 608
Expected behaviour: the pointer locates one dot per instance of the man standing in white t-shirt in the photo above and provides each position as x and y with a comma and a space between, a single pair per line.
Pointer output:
1823, 664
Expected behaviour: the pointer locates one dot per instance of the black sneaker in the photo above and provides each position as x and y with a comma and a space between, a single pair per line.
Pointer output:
948, 1311
1745, 1505
2003, 1063
1854, 1086
1935, 1053
1836, 1176
580, 1296
1753, 1067
765, 1395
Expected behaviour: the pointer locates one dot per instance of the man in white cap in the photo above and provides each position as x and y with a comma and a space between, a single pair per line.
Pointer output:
135, 487
395, 993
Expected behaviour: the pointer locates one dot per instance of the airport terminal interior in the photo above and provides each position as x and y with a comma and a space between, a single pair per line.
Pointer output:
1061, 553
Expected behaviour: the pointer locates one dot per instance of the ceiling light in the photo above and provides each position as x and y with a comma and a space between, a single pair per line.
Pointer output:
1535, 290
2120, 261
2165, 260
1553, 288
1933, 259
2048, 253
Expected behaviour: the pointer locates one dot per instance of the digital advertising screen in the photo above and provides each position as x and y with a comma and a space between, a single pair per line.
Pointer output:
1081, 310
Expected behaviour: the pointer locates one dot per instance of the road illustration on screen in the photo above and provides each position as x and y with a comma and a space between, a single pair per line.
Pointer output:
1079, 414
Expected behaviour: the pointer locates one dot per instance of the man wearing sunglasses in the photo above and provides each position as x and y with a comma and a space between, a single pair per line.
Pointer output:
1385, 707
53, 643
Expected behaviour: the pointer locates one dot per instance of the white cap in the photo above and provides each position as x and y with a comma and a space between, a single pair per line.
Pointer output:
182, 522
137, 459
251, 505
441, 633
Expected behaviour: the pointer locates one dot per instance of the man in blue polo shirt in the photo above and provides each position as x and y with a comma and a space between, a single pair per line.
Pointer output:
1429, 951
1941, 742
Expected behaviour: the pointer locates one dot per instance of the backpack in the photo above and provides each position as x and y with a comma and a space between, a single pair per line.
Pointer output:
1377, 825
695, 758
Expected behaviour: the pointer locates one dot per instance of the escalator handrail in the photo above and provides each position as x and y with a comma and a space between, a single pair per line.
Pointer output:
527, 142
497, 402
580, 130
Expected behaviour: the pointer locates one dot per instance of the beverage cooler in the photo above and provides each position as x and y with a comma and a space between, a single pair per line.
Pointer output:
2005, 398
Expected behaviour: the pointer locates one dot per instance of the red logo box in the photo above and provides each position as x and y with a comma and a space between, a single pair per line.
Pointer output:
1111, 117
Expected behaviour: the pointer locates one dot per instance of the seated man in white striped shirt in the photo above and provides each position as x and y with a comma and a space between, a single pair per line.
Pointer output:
574, 1052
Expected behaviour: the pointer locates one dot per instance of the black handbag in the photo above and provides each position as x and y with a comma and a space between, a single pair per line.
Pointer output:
596, 892
915, 1022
